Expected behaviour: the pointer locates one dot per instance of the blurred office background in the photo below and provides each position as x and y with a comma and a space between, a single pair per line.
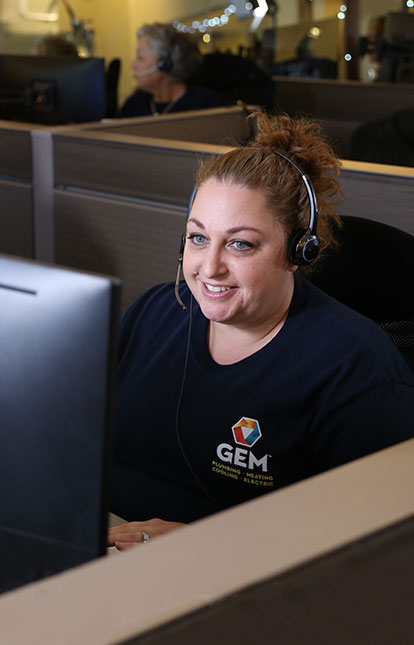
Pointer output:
349, 64
358, 40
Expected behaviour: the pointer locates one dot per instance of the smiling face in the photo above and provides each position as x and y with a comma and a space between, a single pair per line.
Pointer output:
235, 257
144, 65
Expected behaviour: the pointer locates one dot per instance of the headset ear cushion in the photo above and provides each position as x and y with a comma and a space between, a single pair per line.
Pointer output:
303, 247
166, 64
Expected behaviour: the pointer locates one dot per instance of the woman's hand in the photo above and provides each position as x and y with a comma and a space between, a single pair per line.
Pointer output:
132, 533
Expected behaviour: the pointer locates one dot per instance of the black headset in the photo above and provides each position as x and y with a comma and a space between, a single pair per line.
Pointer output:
166, 64
303, 245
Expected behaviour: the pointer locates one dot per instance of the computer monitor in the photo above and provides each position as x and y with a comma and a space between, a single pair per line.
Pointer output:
52, 91
58, 337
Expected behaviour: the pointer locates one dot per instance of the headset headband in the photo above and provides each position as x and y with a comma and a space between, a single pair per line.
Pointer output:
303, 245
313, 204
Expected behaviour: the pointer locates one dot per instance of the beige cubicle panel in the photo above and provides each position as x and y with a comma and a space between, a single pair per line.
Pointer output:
120, 201
343, 100
26, 173
326, 561
101, 198
96, 197
120, 204
82, 195
136, 242
341, 106
224, 126
16, 191
379, 192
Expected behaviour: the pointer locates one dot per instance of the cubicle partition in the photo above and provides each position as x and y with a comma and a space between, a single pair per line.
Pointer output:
379, 192
341, 106
101, 197
16, 190
114, 197
120, 204
327, 560
120, 199
224, 126
111, 197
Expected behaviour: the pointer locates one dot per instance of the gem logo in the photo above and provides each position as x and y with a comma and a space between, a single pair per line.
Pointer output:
246, 432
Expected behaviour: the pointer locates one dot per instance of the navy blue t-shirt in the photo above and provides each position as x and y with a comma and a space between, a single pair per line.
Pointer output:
193, 436
195, 98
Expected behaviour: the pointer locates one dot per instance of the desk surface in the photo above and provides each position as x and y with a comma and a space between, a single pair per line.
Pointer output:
112, 600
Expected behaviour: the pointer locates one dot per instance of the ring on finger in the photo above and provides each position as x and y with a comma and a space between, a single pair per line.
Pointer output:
145, 537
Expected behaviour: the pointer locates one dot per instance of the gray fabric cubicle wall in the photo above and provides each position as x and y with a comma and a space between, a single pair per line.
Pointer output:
341, 106
26, 175
120, 199
224, 126
120, 205
120, 195
375, 191
16, 216
137, 242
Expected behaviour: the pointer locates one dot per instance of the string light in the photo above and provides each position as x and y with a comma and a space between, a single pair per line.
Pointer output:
207, 23
314, 32
342, 12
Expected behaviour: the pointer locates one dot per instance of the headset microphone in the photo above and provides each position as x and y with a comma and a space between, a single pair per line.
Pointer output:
181, 252
164, 65
148, 71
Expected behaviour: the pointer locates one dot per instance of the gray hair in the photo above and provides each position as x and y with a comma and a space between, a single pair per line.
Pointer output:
169, 44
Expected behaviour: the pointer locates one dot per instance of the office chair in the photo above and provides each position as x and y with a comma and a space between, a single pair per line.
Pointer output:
111, 87
372, 272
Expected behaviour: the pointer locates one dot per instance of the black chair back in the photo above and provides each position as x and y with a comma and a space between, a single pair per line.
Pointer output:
373, 273
112, 78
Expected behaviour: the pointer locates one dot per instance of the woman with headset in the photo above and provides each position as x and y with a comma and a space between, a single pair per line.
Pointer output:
165, 61
248, 378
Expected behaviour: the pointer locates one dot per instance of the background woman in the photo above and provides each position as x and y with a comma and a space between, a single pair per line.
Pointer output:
165, 61
263, 380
